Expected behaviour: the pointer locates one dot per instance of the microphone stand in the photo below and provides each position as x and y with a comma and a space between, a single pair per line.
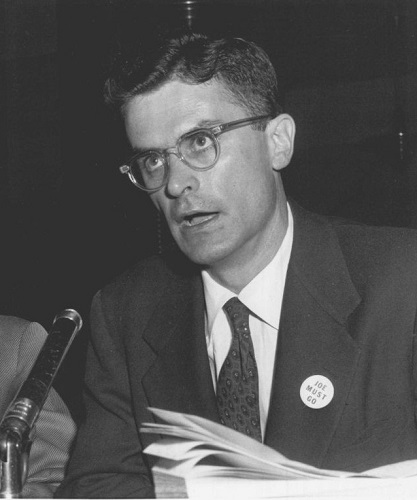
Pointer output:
21, 415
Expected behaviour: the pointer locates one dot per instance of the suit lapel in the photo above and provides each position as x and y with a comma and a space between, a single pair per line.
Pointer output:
179, 377
313, 340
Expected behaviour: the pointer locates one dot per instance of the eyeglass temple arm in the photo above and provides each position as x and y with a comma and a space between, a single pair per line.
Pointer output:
238, 123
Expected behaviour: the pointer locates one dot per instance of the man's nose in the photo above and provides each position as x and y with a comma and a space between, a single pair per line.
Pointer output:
181, 177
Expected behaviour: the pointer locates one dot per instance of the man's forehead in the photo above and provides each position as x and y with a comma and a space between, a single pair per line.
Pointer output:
175, 108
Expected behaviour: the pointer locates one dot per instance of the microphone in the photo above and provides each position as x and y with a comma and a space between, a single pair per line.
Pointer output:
23, 411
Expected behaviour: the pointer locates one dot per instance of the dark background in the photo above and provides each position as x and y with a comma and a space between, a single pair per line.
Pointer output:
69, 222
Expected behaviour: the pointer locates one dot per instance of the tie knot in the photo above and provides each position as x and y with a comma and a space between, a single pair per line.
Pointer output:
237, 312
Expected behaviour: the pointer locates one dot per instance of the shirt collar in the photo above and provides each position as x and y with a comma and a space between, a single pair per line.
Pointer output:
263, 295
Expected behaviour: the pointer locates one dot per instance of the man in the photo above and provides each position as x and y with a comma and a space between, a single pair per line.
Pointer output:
331, 304
21, 342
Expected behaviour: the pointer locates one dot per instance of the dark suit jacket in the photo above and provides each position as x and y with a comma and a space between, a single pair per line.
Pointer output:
21, 342
348, 313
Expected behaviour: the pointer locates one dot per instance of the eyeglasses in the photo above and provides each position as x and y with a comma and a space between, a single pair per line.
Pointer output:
198, 149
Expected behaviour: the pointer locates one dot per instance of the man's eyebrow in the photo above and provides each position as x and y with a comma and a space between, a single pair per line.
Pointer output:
202, 124
136, 151
208, 123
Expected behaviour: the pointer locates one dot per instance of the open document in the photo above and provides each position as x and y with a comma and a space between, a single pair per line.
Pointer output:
199, 458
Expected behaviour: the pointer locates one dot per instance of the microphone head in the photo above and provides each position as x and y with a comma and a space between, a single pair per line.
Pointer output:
72, 315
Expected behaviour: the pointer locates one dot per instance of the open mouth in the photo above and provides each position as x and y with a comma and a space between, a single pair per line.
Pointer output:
199, 218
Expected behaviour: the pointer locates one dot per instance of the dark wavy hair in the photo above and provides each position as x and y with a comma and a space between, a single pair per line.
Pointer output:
243, 68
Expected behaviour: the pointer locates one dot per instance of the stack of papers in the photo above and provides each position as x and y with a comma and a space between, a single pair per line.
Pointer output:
199, 458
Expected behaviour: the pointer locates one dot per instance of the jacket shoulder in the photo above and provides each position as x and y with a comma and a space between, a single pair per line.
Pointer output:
362, 239
150, 274
146, 282
374, 253
21, 342
19, 339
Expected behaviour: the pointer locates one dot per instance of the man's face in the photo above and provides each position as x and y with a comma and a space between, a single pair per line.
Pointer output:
227, 215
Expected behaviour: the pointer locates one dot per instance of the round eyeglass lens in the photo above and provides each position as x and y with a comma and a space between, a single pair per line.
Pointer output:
149, 170
199, 149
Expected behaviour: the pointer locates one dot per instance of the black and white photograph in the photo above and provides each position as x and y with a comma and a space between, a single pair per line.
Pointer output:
208, 255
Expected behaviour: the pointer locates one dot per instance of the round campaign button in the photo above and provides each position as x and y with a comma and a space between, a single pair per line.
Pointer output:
316, 391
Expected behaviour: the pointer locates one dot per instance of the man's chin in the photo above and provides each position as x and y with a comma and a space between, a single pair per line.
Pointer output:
204, 256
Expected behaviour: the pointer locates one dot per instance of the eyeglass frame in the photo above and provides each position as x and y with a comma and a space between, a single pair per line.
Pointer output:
214, 131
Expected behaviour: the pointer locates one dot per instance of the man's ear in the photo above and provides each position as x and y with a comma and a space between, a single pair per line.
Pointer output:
281, 133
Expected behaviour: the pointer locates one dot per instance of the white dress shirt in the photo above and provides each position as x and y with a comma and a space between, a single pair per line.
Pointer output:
263, 297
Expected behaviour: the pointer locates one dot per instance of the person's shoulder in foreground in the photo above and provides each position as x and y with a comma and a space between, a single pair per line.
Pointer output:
21, 342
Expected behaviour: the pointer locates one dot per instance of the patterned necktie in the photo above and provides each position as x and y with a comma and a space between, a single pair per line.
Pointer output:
237, 386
